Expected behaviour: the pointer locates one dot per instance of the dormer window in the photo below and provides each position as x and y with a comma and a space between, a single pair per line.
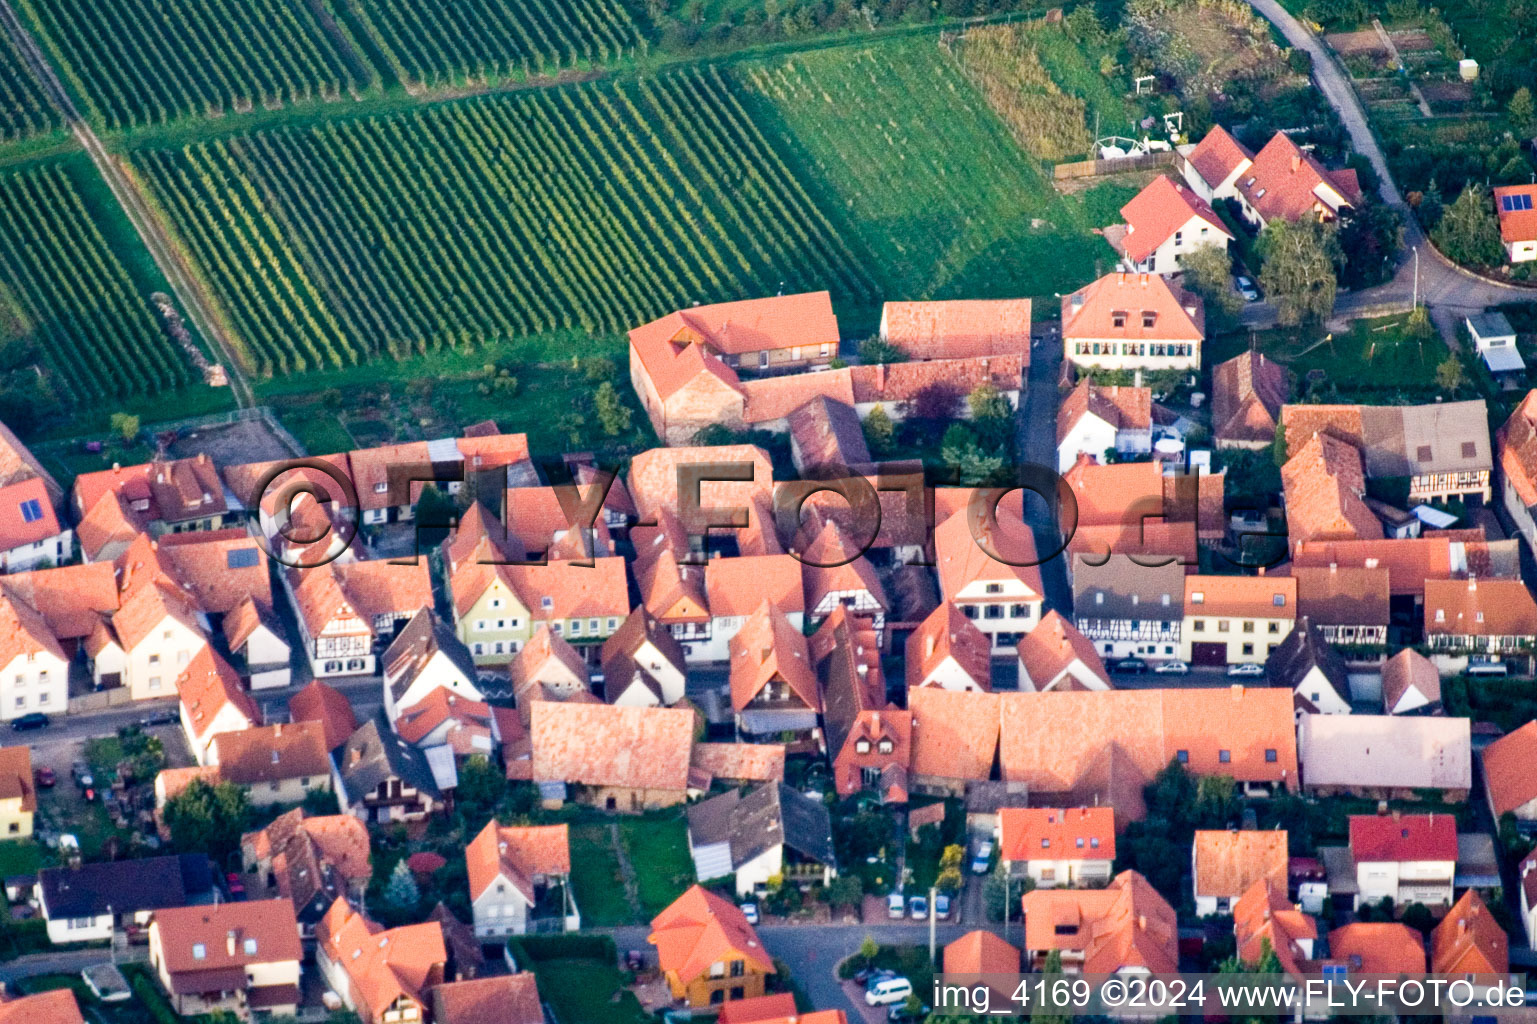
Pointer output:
885, 747
862, 747
1149, 318
1198, 597
1440, 614
1079, 844
1479, 616
546, 602
1045, 843
1118, 319
31, 510
1099, 598
1094, 843
381, 487
1279, 600
250, 947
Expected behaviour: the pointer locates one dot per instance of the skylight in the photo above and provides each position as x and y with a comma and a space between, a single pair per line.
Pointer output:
31, 510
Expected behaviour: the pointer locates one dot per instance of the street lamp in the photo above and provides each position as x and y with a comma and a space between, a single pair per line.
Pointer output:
1416, 251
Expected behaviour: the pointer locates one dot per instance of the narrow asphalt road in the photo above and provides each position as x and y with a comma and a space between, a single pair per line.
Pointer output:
143, 219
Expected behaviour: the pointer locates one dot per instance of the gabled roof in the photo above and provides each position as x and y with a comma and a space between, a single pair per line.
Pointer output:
1286, 182
1089, 313
18, 463
1264, 916
206, 685
517, 853
313, 860
1475, 607
1158, 211
1518, 223
421, 640
700, 928
954, 732
1248, 392
1325, 489
758, 1009
1410, 670
1125, 925
502, 999
740, 762
654, 479
827, 434
1228, 861
603, 745
735, 587
962, 560
1508, 771
769, 648
323, 703
383, 588
1052, 647
72, 598
1403, 837
545, 522
16, 777
26, 514
381, 966
1056, 833
833, 564
219, 568
1304, 650
1378, 947
1250, 597
127, 886
374, 754
958, 329
167, 490
273, 753
109, 522
748, 325
24, 633
1388, 751
1409, 561
947, 633
1469, 940
572, 590
1399, 440
194, 940
1516, 442
1122, 407
1343, 596
980, 952
55, 1006
618, 659
1218, 155
1120, 588
766, 816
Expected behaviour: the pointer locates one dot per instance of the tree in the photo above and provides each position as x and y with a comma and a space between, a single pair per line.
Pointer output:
880, 432
481, 788
959, 449
1370, 237
1298, 270
845, 891
1431, 208
934, 402
1468, 232
986, 402
127, 425
1418, 326
599, 368
878, 350
1419, 917
1450, 375
1523, 112
208, 819
1216, 801
869, 950
1054, 1015
613, 414
1208, 273
401, 891
1278, 447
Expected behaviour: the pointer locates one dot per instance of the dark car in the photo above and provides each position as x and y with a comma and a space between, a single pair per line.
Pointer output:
167, 716
1131, 665
36, 720
46, 778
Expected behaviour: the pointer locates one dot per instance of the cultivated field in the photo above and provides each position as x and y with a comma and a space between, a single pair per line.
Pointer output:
933, 183
148, 61
593, 207
434, 42
64, 291
24, 109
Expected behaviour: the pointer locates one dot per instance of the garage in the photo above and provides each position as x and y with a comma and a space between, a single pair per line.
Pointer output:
1208, 653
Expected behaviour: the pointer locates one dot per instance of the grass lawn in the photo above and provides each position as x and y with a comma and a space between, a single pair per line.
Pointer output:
596, 879
657, 846
19, 857
1374, 361
909, 154
586, 991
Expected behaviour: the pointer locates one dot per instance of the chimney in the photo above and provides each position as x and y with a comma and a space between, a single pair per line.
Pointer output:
1237, 691
1142, 922
1334, 567
357, 754
277, 730
1472, 583
1262, 570
928, 648
1296, 162
231, 941
875, 720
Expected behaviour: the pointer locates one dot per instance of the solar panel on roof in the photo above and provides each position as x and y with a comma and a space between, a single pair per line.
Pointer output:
31, 510
1511, 204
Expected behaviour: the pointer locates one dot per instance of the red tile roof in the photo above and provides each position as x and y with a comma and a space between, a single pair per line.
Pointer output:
319, 702
1403, 837
602, 745
1516, 442
1052, 647
959, 329
1055, 833
955, 732
768, 648
206, 685
382, 966
655, 479
700, 928
1250, 597
1218, 155
171, 491
16, 777
56, 1006
1288, 183
1325, 487
16, 501
1125, 925
1378, 947
1228, 861
1469, 940
962, 559
1089, 312
1508, 769
1409, 561
980, 952
1158, 211
265, 932
1517, 225
757, 1009
1248, 392
1479, 608
737, 586
1264, 916
272, 753
747, 326
1124, 408
518, 853
1342, 596
947, 633
502, 999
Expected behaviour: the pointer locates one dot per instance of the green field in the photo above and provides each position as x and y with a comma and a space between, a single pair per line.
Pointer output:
930, 179
24, 108
1375, 361
596, 880
657, 846
589, 208
147, 61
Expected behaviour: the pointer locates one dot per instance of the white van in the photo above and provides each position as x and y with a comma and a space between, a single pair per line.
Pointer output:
892, 990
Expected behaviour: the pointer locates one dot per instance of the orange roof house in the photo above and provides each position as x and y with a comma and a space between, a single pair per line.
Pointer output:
1002, 598
1056, 834
947, 650
1411, 682
1163, 220
228, 955
55, 1006
1479, 615
1131, 321
1056, 656
773, 685
1325, 491
1516, 453
309, 861
954, 734
1227, 863
981, 953
1516, 208
321, 703
1469, 940
835, 572
381, 974
1509, 782
1347, 603
868, 740
1286, 182
166, 491
1124, 509
1126, 925
662, 480
501, 999
1378, 947
958, 329
510, 866
1248, 392
213, 701
698, 930
1263, 917
27, 519
778, 1008
1092, 419
624, 758
1213, 167
1409, 561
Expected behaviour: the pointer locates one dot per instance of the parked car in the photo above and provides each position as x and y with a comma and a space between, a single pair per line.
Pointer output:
1172, 668
918, 908
983, 859
1246, 288
46, 779
235, 885
942, 906
1131, 665
896, 908
873, 976
901, 1013
78, 769
1246, 671
892, 990
750, 911
85, 782
168, 716
26, 723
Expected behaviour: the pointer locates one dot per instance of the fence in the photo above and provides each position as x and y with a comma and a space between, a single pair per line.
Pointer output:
100, 700
1119, 165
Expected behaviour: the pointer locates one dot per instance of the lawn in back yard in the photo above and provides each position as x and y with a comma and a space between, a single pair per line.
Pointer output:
1375, 360
596, 878
657, 847
904, 150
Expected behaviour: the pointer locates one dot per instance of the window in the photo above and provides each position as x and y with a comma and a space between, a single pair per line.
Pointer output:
1045, 843
21, 702
1149, 318
154, 659
242, 558
1248, 649
1270, 755
992, 611
1279, 600
1094, 843
995, 588
199, 951
496, 602
1019, 611
1079, 843
613, 624
1469, 449
885, 747
31, 510
862, 747
1198, 597
1223, 625
154, 682
1183, 756
1179, 238
1118, 319
738, 968
1198, 626
1248, 627
592, 625
576, 627
546, 602
381, 487
1275, 627
1224, 756
1099, 598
